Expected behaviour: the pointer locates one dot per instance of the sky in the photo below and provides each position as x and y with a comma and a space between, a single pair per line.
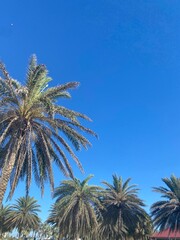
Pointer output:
126, 56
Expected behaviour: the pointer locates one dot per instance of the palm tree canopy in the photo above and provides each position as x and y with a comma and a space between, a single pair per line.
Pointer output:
24, 214
35, 129
4, 218
123, 207
75, 207
166, 213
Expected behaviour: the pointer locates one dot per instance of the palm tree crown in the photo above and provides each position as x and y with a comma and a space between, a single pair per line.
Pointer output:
35, 129
24, 214
123, 208
75, 207
166, 213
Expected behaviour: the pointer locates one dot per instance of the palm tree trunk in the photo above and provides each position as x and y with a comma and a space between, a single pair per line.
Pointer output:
7, 169
120, 222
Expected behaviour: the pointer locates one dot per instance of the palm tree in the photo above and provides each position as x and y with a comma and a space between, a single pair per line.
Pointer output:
24, 215
74, 211
166, 213
4, 220
35, 129
123, 209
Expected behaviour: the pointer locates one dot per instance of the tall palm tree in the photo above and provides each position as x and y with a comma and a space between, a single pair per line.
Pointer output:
4, 220
123, 208
24, 215
166, 213
74, 211
35, 129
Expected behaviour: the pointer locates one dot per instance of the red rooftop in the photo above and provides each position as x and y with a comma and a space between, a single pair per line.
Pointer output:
166, 234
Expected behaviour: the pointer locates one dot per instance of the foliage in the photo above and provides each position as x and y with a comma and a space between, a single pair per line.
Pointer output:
4, 220
123, 209
74, 211
24, 215
83, 211
47, 231
143, 229
35, 129
166, 213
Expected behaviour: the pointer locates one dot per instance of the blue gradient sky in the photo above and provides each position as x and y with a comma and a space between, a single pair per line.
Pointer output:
126, 55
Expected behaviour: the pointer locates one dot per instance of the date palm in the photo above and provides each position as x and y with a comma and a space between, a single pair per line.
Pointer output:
123, 208
166, 213
74, 211
24, 215
35, 129
4, 220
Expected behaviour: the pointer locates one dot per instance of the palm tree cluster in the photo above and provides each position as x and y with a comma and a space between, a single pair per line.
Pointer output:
88, 212
81, 211
114, 212
36, 133
92, 212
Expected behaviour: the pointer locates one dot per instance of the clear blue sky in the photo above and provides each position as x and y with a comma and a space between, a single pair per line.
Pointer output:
126, 55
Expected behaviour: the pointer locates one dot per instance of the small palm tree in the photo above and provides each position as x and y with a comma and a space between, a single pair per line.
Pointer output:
35, 129
24, 215
4, 220
166, 213
123, 208
74, 211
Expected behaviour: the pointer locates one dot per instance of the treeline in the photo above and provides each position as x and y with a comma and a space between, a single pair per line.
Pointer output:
89, 212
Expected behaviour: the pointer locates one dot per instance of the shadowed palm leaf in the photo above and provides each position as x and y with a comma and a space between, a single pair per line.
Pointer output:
35, 130
166, 213
75, 209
